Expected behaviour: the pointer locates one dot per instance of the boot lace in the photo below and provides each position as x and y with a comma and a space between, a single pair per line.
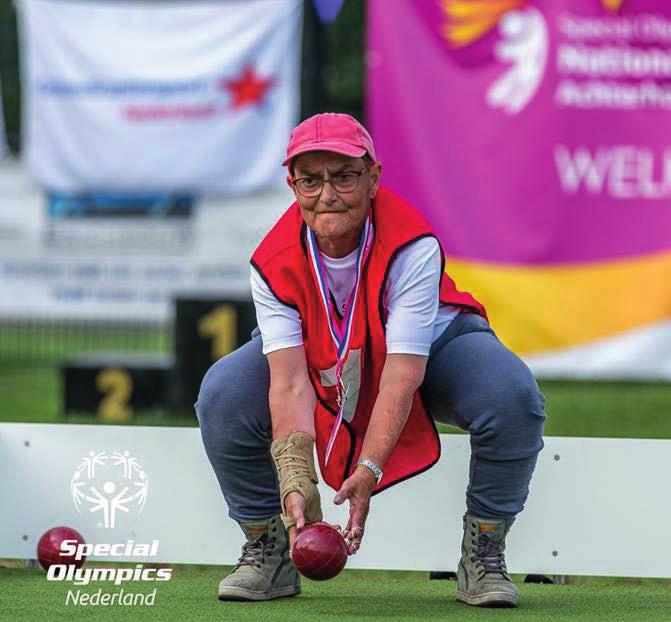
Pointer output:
489, 557
254, 551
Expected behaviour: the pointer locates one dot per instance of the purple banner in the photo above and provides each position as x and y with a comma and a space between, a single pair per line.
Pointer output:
529, 132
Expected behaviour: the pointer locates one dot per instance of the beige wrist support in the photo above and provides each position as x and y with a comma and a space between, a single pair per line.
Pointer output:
294, 461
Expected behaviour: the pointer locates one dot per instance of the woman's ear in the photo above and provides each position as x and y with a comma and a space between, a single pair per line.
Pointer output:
375, 178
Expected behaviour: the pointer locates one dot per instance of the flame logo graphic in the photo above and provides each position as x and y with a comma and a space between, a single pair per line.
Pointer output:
470, 20
613, 5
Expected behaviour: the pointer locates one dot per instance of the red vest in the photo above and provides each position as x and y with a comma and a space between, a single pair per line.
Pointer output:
282, 260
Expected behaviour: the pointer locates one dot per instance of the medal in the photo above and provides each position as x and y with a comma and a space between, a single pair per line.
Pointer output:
341, 331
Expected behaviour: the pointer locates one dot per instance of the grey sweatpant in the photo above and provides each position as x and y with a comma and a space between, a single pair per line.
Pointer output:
472, 381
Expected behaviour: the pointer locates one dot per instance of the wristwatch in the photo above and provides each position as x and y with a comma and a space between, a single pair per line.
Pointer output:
371, 466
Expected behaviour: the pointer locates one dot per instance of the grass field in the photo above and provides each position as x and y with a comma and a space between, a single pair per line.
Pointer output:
31, 393
32, 340
354, 595
30, 384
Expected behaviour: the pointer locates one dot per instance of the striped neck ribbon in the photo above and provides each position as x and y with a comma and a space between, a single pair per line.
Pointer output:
341, 330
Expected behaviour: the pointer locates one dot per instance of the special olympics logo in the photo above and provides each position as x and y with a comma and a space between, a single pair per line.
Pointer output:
523, 45
109, 484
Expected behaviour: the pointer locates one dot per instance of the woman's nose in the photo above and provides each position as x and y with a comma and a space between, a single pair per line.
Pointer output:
328, 194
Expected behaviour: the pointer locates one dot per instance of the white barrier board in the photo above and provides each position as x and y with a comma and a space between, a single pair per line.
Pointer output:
591, 502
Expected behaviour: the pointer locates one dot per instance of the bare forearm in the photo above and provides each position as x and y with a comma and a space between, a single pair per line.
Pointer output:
291, 397
386, 424
292, 410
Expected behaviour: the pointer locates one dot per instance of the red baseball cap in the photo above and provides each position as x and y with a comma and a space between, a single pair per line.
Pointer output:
330, 131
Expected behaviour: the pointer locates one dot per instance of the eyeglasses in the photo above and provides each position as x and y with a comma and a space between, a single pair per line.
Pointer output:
311, 187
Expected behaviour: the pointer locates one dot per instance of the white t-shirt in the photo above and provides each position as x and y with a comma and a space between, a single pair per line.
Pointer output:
414, 317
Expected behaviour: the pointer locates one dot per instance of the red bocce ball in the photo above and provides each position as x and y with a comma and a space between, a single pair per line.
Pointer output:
319, 552
49, 548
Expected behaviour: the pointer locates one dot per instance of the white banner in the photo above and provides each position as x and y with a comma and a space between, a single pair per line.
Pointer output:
179, 96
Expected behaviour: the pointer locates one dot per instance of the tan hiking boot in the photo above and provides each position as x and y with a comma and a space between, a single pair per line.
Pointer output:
264, 570
482, 577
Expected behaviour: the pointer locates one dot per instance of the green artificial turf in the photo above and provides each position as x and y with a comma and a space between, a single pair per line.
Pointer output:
354, 595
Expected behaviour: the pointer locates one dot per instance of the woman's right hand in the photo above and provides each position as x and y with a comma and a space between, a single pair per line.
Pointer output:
294, 504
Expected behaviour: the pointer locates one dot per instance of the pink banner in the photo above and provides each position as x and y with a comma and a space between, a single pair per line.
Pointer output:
529, 132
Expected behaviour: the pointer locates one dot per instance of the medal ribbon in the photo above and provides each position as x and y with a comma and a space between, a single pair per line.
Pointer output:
341, 331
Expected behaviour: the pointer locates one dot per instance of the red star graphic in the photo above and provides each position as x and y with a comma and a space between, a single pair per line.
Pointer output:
248, 89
